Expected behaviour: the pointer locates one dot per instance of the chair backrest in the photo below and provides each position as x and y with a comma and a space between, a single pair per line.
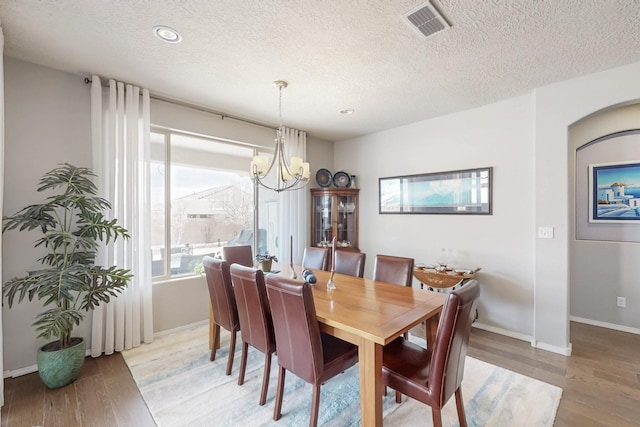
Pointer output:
223, 301
393, 269
349, 262
253, 307
296, 327
238, 255
452, 338
316, 258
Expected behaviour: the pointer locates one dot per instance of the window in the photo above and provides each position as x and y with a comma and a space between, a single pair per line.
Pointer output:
201, 200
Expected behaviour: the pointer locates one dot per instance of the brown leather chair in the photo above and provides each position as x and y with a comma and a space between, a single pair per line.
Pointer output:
255, 320
223, 304
351, 263
432, 376
238, 255
316, 258
393, 269
302, 349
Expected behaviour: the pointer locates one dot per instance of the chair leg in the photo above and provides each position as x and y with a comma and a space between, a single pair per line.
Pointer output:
398, 397
278, 406
232, 351
243, 363
315, 406
460, 405
215, 341
265, 379
437, 417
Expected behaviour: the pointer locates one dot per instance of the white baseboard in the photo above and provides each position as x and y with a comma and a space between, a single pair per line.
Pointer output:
501, 331
29, 369
605, 325
19, 372
180, 328
565, 351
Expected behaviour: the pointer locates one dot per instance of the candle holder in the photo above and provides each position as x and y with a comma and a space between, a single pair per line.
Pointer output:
293, 270
330, 284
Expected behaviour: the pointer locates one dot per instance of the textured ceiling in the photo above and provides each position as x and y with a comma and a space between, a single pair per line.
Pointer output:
335, 54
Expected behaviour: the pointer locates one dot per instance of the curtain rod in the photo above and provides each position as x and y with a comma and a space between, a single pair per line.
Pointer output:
223, 116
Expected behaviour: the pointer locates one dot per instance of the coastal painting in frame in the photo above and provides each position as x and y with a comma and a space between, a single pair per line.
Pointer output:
614, 192
454, 192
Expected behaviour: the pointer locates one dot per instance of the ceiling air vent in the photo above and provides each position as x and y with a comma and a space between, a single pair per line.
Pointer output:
426, 20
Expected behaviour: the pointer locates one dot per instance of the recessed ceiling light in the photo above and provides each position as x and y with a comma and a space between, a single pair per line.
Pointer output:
167, 34
346, 111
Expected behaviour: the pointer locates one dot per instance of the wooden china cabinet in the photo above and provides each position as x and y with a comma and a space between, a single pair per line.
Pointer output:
334, 212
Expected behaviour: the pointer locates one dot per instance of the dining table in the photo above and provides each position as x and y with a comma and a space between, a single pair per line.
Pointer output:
370, 314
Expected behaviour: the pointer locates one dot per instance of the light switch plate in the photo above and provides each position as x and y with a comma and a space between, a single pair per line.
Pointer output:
545, 232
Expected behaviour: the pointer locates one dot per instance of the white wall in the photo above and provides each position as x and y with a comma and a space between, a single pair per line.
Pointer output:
500, 135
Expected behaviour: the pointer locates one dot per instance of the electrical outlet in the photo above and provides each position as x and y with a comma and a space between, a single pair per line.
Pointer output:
621, 302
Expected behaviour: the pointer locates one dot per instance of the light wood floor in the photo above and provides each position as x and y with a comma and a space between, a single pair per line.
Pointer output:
600, 382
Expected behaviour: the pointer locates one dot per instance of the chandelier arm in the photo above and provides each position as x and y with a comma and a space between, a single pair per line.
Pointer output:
289, 175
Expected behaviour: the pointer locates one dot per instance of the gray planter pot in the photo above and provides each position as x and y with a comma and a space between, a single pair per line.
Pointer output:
58, 368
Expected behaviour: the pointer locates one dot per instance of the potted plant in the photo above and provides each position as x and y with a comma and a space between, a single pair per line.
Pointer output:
265, 260
73, 225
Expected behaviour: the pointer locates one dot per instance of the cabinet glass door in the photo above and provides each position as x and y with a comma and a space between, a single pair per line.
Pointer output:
323, 221
346, 221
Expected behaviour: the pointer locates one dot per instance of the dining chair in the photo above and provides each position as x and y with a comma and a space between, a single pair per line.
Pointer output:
393, 269
223, 304
349, 262
432, 376
303, 349
315, 258
255, 320
241, 254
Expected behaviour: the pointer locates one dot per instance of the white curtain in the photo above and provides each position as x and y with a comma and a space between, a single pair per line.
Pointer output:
121, 153
1, 190
293, 206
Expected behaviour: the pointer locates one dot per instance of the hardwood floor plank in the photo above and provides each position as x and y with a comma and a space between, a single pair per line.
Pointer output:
95, 407
24, 401
129, 407
61, 407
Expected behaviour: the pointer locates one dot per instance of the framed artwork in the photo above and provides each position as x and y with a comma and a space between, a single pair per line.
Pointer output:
614, 192
464, 192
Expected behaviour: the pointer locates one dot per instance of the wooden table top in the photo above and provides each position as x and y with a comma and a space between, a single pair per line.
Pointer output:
376, 311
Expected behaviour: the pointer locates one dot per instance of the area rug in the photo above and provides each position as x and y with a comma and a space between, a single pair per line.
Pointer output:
183, 388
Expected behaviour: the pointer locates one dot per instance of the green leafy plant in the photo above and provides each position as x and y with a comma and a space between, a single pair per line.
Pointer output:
266, 257
73, 225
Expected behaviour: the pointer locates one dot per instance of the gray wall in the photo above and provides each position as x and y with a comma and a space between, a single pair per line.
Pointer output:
48, 122
604, 257
525, 279
47, 117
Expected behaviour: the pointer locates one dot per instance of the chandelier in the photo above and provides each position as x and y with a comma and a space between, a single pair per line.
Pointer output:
289, 175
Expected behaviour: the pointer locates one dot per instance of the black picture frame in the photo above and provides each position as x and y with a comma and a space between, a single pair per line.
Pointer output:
458, 192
